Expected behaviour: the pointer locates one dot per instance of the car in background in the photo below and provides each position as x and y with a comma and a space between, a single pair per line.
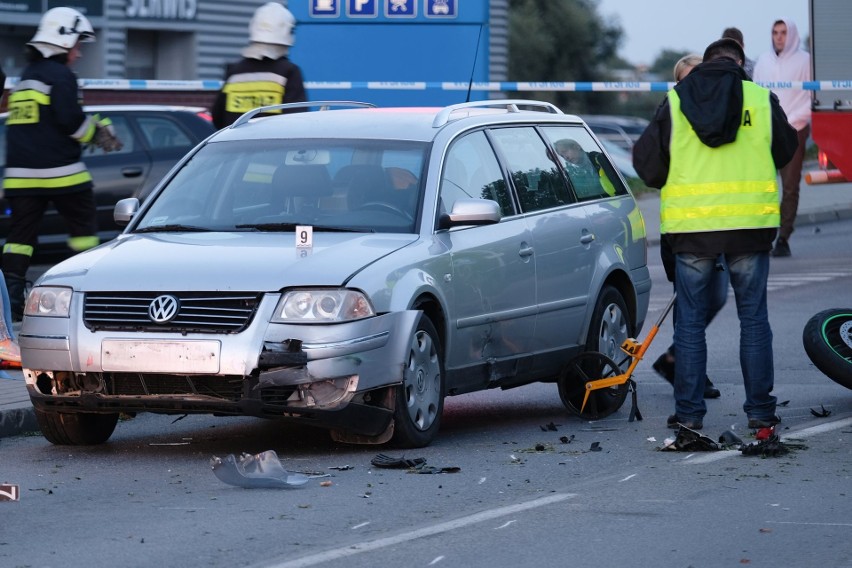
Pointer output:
349, 268
623, 131
155, 138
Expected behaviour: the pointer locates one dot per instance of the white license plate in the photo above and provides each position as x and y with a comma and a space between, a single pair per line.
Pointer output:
186, 356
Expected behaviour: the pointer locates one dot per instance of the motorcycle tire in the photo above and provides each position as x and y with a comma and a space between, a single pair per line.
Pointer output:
827, 339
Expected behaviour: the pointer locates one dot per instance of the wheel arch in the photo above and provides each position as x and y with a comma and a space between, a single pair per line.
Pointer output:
619, 280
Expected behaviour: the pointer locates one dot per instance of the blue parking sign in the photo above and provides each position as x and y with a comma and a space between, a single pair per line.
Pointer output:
325, 8
362, 8
441, 8
400, 8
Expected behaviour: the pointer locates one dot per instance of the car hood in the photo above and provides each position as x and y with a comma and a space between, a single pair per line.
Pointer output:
221, 261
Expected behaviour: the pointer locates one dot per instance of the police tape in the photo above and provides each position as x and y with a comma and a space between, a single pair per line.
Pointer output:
505, 86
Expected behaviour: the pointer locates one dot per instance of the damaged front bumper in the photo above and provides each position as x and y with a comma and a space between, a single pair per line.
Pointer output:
335, 375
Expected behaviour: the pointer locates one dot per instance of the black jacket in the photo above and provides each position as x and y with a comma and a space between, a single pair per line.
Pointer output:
711, 99
294, 89
48, 143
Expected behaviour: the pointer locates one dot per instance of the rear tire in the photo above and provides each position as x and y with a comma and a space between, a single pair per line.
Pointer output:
610, 326
827, 339
420, 398
77, 429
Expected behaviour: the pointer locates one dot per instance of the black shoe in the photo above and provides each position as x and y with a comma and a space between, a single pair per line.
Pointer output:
782, 248
665, 368
674, 422
758, 423
710, 390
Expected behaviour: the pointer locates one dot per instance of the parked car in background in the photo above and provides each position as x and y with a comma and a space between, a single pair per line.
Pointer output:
348, 268
622, 131
154, 137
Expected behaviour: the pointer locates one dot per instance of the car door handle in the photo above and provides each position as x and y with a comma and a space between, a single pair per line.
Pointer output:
587, 238
131, 172
525, 251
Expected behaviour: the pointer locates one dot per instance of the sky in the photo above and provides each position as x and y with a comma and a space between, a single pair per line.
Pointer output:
690, 25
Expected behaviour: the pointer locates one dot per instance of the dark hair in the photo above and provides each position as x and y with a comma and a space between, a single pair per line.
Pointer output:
734, 34
726, 47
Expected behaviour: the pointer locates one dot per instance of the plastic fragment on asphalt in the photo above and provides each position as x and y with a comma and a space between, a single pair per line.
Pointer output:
595, 447
688, 440
382, 460
730, 440
770, 447
567, 439
263, 470
341, 467
651, 439
550, 426
823, 413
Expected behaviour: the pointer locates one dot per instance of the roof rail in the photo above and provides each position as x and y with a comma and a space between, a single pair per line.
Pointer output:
511, 105
324, 105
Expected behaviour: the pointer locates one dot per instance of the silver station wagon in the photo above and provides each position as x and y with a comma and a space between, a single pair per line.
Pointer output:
349, 268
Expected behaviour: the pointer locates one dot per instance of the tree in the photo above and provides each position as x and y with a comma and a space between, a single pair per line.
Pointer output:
562, 40
663, 65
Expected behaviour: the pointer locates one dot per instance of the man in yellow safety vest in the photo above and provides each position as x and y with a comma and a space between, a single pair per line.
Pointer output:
713, 148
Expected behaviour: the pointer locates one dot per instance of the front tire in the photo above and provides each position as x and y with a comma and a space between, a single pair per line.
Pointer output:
827, 339
420, 398
77, 429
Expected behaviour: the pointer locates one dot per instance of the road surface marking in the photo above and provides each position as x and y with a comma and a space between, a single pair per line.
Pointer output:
448, 526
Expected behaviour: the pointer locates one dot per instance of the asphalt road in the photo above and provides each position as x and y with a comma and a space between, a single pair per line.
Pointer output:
521, 498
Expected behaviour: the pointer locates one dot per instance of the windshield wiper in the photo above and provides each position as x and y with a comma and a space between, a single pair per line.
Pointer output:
272, 227
175, 227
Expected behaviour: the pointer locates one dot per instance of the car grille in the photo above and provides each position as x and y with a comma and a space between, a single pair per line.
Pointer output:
134, 384
203, 312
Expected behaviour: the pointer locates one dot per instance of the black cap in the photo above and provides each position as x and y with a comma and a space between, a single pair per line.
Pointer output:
726, 44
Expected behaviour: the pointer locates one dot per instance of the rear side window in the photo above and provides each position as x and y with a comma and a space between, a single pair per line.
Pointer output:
471, 171
537, 178
163, 133
588, 169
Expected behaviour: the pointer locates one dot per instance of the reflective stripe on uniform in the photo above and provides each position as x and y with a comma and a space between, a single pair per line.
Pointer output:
62, 176
24, 103
14, 248
78, 244
86, 131
247, 91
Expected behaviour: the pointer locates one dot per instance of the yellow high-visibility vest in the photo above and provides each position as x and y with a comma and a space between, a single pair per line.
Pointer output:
729, 187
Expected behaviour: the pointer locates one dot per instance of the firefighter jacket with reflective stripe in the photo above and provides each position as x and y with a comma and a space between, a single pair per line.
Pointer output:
44, 131
253, 83
732, 186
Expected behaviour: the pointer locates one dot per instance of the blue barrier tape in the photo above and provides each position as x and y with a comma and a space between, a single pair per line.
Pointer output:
509, 86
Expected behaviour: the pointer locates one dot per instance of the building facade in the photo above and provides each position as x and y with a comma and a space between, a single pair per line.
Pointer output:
345, 41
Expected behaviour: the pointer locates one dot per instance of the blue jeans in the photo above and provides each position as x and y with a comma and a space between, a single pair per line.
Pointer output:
694, 276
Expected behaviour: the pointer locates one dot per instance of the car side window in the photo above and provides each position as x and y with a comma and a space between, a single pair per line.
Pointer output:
162, 133
471, 171
537, 179
587, 167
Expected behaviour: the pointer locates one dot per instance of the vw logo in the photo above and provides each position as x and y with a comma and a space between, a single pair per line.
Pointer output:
163, 309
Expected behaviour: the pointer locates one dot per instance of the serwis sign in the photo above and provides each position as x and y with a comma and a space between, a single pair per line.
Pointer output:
162, 9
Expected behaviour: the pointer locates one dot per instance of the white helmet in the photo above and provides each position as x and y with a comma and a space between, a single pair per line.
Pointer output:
272, 23
63, 27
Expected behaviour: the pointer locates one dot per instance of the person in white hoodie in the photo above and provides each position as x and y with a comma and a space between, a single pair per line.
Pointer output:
786, 61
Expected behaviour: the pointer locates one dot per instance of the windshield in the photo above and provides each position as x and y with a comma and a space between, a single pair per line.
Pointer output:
276, 185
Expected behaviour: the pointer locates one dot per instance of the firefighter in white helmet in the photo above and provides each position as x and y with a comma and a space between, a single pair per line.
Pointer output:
264, 76
45, 132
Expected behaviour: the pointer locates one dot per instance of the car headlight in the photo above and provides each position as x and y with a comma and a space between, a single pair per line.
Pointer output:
322, 305
49, 301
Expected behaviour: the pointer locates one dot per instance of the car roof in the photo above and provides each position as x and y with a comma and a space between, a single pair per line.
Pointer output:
399, 123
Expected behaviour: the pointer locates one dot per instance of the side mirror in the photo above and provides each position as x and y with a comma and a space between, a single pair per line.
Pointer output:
125, 210
471, 212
